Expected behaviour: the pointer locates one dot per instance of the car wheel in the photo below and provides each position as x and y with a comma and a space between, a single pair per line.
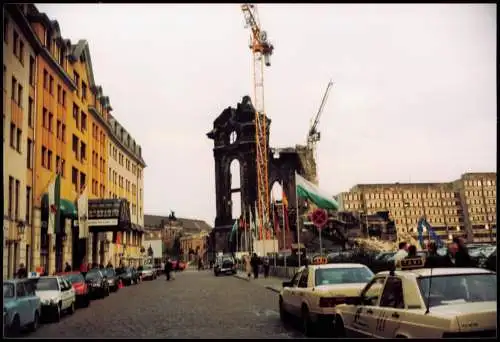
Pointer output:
283, 313
338, 328
71, 309
57, 313
15, 327
307, 327
36, 320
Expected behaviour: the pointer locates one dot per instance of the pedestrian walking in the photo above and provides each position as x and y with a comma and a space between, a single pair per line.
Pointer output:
462, 257
248, 266
412, 252
21, 272
434, 260
84, 268
255, 262
67, 267
266, 267
200, 264
168, 269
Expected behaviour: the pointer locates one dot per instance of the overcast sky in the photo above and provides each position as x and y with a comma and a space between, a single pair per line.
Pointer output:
414, 95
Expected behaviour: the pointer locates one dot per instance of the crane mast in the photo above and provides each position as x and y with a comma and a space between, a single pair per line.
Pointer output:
262, 50
313, 135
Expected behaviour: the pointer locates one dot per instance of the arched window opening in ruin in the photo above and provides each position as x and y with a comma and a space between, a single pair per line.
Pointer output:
235, 169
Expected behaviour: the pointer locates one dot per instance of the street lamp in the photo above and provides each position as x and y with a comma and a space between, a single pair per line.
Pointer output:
20, 227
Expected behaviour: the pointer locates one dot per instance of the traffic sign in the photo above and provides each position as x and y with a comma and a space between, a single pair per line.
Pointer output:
319, 217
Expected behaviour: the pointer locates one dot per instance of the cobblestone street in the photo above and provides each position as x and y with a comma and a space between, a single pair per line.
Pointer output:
194, 305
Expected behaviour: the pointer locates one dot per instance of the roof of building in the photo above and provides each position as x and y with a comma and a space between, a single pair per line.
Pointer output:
155, 221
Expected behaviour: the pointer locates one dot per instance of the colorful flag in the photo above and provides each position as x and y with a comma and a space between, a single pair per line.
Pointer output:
257, 224
83, 214
284, 202
54, 203
233, 230
309, 191
253, 229
276, 221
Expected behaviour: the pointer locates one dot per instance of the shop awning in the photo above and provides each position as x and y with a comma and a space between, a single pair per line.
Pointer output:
109, 215
137, 228
66, 207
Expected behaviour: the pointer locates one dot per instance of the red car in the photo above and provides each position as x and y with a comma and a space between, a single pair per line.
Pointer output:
178, 265
80, 286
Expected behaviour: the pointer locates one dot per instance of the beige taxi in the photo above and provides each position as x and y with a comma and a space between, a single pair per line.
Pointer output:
416, 302
315, 290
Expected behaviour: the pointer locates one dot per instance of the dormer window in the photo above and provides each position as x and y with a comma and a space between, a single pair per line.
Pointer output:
128, 141
62, 52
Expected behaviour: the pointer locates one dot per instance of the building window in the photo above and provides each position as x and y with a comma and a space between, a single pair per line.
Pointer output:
31, 107
20, 95
84, 91
11, 196
51, 85
63, 133
84, 121
75, 114
83, 180
21, 52
74, 178
28, 204
76, 78
16, 203
75, 146
44, 156
63, 168
64, 98
51, 121
16, 41
44, 118
49, 160
13, 88
58, 129
45, 79
59, 94
12, 135
32, 71
83, 150
19, 138
29, 154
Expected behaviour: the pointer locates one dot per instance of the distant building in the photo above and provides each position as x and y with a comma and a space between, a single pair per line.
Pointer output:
465, 207
195, 246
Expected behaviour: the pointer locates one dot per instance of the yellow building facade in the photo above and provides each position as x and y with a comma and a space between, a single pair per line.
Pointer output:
19, 81
60, 123
445, 205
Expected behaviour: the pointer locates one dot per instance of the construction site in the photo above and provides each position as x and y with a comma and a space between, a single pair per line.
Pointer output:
242, 133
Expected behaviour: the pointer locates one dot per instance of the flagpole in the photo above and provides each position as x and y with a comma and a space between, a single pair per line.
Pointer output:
245, 229
297, 218
284, 219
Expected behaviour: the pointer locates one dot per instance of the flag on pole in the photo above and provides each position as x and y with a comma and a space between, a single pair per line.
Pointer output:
284, 202
54, 193
257, 224
252, 224
83, 214
233, 230
311, 192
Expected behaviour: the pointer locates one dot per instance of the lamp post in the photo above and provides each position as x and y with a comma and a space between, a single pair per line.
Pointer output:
21, 226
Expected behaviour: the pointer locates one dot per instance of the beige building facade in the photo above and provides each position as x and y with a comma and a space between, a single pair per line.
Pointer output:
126, 180
466, 207
19, 80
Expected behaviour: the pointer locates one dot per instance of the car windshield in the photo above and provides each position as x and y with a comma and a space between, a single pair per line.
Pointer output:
351, 275
47, 284
147, 267
108, 272
459, 288
75, 278
92, 276
8, 290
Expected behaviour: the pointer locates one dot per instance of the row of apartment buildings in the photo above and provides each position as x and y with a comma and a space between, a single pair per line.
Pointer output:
464, 207
57, 119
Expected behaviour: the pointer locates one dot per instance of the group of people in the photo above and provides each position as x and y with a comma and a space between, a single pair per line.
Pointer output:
457, 256
253, 263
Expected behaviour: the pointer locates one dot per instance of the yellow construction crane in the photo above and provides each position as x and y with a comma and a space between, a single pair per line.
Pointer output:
313, 136
262, 50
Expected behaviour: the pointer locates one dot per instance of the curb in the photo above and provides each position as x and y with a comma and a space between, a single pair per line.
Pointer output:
272, 288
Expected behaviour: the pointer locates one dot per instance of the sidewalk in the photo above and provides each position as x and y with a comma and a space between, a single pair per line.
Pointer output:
271, 283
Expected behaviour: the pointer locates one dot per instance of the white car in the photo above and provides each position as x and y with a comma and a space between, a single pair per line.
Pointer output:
423, 303
316, 290
56, 295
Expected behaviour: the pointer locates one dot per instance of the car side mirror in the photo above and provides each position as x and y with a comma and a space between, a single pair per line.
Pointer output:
287, 284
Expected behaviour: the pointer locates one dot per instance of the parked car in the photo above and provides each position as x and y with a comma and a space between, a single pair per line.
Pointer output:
225, 265
97, 283
178, 265
21, 307
57, 296
112, 278
128, 275
81, 288
147, 272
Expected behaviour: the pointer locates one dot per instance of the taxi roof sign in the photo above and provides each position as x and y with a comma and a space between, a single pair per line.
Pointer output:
410, 264
319, 260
